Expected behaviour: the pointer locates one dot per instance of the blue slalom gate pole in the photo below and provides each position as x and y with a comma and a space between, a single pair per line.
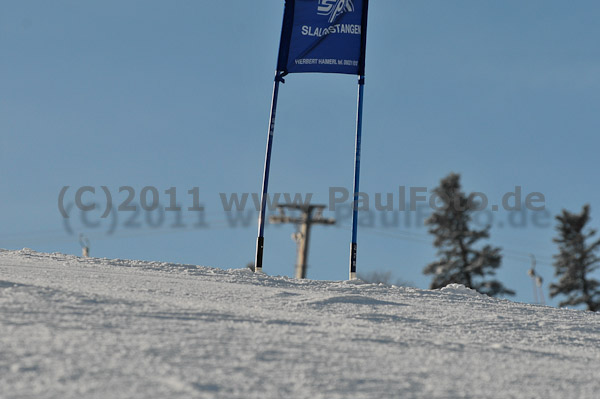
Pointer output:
260, 241
361, 88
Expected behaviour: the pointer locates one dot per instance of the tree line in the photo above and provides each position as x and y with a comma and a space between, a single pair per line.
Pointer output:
463, 259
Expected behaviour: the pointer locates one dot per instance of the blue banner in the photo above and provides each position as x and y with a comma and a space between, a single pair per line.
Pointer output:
323, 36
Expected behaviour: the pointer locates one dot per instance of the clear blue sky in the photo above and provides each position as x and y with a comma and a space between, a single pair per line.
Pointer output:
177, 94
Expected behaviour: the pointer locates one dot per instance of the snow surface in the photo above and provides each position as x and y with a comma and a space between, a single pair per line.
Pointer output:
99, 328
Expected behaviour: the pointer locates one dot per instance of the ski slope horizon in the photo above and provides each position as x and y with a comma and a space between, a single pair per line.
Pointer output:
94, 328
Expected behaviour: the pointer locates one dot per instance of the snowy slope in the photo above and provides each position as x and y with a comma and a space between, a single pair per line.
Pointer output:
99, 328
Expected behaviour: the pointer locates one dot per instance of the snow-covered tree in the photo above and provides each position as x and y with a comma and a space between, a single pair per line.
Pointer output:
576, 261
460, 262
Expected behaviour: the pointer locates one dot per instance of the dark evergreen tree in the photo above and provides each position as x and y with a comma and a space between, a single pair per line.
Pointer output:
576, 261
460, 261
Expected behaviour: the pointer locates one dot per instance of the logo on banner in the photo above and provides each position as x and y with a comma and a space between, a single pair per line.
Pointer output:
334, 8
